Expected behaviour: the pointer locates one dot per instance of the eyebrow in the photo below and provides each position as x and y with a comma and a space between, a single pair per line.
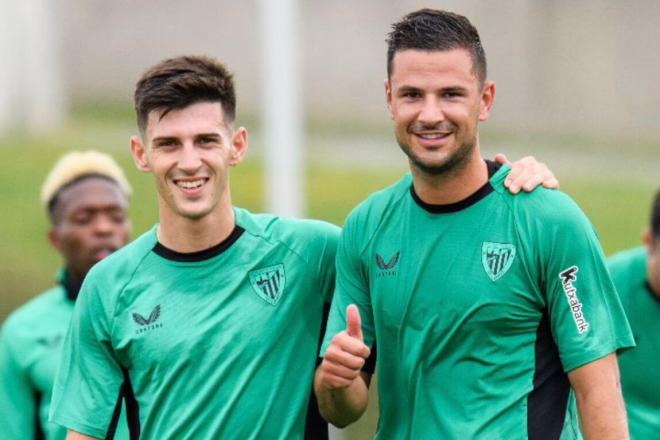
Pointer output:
208, 135
404, 89
164, 138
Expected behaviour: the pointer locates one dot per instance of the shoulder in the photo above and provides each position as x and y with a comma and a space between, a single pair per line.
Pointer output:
541, 207
124, 261
625, 259
370, 213
627, 264
35, 312
300, 235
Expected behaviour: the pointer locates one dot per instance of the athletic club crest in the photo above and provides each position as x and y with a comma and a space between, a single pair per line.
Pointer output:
497, 258
268, 282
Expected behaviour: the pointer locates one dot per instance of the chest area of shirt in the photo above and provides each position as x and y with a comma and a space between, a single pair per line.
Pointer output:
446, 271
189, 312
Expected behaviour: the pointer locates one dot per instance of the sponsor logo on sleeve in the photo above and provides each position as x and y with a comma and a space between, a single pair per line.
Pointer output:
387, 267
149, 323
497, 258
268, 282
568, 277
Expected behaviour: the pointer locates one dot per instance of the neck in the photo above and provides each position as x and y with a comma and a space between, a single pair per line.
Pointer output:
655, 287
454, 185
653, 276
72, 282
187, 235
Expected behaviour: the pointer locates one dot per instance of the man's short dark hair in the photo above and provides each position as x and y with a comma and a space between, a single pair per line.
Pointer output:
178, 82
655, 216
431, 30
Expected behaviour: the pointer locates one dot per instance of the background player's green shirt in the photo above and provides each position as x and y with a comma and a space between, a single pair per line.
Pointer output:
478, 308
639, 366
30, 350
218, 344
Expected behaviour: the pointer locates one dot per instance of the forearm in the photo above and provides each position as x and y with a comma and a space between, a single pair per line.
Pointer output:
603, 415
73, 435
600, 402
342, 406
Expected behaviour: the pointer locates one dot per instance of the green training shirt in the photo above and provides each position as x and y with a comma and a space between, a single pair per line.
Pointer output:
639, 366
217, 344
30, 349
479, 309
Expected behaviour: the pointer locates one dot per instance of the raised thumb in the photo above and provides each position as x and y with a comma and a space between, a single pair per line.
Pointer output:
353, 322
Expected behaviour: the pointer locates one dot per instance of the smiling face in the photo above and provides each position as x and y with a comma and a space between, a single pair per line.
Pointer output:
436, 102
189, 152
89, 223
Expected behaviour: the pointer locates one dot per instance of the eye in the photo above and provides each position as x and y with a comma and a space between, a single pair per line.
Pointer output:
452, 94
82, 218
164, 143
411, 94
118, 216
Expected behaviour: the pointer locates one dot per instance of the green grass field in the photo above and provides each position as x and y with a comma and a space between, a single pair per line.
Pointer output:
616, 205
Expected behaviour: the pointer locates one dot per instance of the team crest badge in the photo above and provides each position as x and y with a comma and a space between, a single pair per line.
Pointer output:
268, 282
497, 258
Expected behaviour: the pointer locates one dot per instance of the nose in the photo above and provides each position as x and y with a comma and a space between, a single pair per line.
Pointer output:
189, 161
431, 111
103, 224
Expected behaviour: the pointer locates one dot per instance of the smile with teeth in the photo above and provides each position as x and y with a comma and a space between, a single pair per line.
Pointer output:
190, 184
432, 136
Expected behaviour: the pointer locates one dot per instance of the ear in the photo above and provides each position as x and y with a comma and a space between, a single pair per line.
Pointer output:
487, 100
388, 96
139, 153
647, 239
239, 144
53, 238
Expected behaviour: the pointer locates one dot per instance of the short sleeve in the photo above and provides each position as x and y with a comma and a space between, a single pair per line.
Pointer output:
587, 319
17, 396
326, 262
351, 287
88, 382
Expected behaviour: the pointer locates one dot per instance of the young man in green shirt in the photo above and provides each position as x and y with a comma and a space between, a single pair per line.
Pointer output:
636, 275
489, 310
208, 323
86, 197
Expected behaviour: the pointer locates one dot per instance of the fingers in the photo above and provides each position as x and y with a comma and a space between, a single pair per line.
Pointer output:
353, 322
527, 173
501, 159
551, 182
343, 360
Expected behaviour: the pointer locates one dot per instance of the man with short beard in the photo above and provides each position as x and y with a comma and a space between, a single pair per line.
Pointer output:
494, 314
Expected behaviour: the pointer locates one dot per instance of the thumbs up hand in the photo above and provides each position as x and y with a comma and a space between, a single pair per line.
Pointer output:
346, 354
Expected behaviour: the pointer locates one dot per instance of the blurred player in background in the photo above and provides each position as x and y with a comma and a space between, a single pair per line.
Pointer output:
86, 197
489, 310
636, 275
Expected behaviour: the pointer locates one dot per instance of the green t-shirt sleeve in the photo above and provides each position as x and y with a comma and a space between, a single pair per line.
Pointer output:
326, 262
89, 377
351, 287
17, 396
587, 319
